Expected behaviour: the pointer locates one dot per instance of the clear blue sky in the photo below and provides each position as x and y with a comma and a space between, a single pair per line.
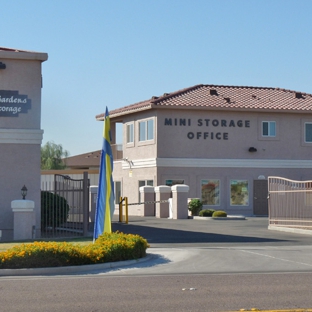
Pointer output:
118, 52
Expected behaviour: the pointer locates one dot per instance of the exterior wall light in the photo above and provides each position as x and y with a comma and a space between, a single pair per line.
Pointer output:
24, 191
252, 149
2, 65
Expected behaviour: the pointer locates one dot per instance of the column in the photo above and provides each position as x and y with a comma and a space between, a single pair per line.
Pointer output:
179, 201
162, 192
147, 195
24, 226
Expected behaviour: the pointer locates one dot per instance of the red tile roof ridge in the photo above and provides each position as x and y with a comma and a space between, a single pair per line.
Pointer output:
223, 97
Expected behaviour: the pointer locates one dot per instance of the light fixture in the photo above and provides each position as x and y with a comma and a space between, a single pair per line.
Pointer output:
2, 65
130, 163
24, 191
252, 149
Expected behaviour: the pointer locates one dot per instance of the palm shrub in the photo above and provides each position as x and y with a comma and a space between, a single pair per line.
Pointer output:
219, 214
195, 205
54, 210
206, 213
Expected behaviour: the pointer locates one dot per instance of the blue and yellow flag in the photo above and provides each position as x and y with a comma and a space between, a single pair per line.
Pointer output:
105, 198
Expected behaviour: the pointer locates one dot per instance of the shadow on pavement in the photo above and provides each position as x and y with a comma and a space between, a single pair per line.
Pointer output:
156, 235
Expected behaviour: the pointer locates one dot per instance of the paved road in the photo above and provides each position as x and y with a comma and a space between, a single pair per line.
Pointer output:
192, 265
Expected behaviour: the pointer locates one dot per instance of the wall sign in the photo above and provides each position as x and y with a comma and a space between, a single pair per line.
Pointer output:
216, 125
12, 103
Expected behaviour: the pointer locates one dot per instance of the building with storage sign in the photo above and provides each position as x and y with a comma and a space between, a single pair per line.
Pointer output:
221, 141
20, 132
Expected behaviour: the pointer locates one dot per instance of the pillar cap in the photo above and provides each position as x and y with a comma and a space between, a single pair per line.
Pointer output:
180, 188
22, 205
147, 189
162, 189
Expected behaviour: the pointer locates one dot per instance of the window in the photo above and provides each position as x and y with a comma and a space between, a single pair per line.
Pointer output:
174, 182
210, 192
308, 132
239, 193
146, 130
268, 128
130, 133
117, 191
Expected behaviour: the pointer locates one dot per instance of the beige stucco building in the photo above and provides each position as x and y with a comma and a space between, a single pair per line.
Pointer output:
221, 141
20, 132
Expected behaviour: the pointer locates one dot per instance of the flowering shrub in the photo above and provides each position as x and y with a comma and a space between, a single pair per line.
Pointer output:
107, 248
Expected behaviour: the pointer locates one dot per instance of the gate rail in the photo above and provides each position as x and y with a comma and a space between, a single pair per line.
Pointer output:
290, 203
124, 203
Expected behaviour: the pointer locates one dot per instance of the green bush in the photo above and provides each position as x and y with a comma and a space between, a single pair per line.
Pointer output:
107, 248
54, 210
195, 205
206, 212
219, 214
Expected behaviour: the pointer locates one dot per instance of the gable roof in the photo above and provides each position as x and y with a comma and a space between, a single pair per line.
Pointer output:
86, 160
222, 97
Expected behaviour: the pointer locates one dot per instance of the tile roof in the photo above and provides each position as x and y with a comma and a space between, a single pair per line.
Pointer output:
87, 160
224, 98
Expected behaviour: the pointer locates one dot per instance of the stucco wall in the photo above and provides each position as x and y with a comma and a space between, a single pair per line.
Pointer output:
196, 139
20, 135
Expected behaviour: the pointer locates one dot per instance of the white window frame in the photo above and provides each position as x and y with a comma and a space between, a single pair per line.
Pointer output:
130, 133
270, 134
146, 131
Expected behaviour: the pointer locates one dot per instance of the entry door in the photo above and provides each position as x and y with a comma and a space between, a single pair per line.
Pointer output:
260, 201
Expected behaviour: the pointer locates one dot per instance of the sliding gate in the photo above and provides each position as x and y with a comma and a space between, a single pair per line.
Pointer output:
65, 207
290, 203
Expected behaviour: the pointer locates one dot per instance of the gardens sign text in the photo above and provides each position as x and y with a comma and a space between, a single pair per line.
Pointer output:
12, 103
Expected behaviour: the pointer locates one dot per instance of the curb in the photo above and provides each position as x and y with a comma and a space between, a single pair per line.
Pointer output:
65, 270
228, 218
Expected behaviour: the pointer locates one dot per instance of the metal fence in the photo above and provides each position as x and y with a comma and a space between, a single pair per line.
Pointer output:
290, 203
64, 207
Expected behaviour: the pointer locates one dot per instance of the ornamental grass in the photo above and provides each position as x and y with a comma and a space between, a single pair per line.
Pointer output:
111, 247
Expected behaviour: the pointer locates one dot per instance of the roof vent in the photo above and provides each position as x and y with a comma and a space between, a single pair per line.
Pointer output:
154, 97
299, 95
165, 94
228, 100
213, 92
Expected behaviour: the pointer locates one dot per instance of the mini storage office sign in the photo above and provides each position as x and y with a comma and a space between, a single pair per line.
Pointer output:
12, 103
204, 123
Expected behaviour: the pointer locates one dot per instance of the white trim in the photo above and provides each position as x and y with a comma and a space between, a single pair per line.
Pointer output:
21, 136
221, 163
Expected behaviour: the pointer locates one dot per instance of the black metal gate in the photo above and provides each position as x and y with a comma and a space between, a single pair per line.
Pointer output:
65, 209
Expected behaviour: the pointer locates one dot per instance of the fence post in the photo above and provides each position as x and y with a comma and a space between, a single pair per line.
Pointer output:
120, 208
85, 196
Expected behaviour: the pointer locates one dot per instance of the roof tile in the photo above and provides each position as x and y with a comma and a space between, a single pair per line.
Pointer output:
224, 97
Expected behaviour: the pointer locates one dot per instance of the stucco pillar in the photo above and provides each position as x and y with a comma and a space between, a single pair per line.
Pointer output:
162, 192
24, 225
147, 195
179, 201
